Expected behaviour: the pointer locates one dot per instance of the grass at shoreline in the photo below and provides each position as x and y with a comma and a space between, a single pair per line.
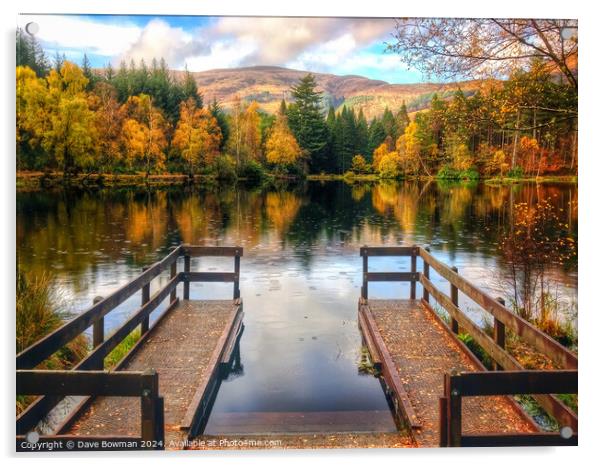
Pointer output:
33, 181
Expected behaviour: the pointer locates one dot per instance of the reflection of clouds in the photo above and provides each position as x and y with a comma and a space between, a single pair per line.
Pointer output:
301, 345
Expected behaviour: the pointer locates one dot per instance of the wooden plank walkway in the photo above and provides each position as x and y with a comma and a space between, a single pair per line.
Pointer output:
186, 348
315, 422
409, 337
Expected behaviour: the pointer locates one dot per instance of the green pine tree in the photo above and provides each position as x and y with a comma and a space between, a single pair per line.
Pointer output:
307, 123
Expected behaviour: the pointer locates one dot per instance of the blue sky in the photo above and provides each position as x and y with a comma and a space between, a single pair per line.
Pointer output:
329, 45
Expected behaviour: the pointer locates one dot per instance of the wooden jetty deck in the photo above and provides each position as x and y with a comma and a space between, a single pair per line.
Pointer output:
185, 349
316, 422
162, 391
428, 369
174, 369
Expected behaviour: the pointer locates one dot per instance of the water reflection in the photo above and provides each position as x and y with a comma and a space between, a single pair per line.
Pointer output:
300, 275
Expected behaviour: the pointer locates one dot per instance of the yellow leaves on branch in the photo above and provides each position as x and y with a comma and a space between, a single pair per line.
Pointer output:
245, 133
144, 132
197, 135
378, 155
282, 147
56, 113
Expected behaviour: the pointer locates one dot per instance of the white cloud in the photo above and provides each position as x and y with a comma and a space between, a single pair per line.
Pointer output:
282, 40
223, 54
71, 32
160, 40
320, 44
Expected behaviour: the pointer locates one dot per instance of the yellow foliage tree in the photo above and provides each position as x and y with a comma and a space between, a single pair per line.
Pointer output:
244, 141
498, 162
408, 148
461, 157
378, 154
57, 115
31, 105
282, 147
252, 131
144, 133
359, 164
390, 165
197, 135
108, 122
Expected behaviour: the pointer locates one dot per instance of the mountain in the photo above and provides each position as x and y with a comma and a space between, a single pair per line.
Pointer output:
268, 85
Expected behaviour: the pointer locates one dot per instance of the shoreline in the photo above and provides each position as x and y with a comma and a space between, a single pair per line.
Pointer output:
38, 181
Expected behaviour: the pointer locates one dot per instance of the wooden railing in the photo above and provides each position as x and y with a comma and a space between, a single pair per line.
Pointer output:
37, 353
504, 318
99, 383
501, 383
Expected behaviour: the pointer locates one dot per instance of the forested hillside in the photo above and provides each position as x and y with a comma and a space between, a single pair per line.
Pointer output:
142, 118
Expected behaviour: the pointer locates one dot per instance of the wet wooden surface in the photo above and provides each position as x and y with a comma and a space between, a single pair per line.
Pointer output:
301, 441
181, 348
234, 423
422, 350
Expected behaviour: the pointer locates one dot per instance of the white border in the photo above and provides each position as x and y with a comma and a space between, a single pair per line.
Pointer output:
589, 218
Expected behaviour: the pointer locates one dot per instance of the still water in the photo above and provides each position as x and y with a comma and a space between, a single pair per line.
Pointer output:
301, 270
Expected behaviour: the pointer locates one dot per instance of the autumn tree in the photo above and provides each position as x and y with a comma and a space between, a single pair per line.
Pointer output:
479, 47
244, 131
379, 153
359, 164
408, 148
197, 135
144, 133
65, 122
282, 148
31, 99
108, 121
252, 131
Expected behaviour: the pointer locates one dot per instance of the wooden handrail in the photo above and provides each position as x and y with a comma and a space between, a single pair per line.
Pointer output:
503, 318
499, 383
51, 343
524, 329
103, 383
94, 316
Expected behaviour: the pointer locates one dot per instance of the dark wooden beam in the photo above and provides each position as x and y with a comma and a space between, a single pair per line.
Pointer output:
517, 382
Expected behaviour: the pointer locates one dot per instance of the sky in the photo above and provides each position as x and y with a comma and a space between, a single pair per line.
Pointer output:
340, 46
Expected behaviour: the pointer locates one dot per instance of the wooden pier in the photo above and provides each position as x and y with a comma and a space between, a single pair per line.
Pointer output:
428, 369
160, 394
175, 368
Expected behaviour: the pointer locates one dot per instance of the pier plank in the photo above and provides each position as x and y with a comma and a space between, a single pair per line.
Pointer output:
422, 351
180, 348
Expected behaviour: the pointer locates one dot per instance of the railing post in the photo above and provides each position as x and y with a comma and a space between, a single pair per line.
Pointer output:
443, 422
237, 275
499, 334
149, 406
364, 272
186, 279
145, 299
426, 270
455, 411
454, 298
172, 273
98, 329
413, 282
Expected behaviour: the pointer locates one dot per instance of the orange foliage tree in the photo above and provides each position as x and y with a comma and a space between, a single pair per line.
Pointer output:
281, 147
144, 133
197, 135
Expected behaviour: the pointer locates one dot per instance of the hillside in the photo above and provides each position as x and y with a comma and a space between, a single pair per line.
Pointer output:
268, 85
